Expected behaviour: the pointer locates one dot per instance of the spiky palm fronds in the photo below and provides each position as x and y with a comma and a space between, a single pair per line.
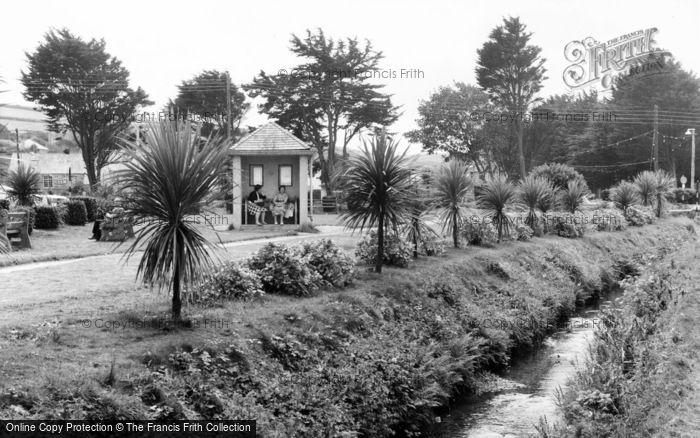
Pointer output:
497, 194
533, 191
453, 186
550, 198
646, 187
169, 177
378, 184
572, 197
23, 184
663, 187
624, 195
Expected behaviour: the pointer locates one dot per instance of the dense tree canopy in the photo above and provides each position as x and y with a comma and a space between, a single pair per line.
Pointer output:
328, 97
511, 71
203, 98
82, 89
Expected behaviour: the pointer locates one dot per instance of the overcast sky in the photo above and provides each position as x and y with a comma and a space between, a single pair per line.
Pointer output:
164, 43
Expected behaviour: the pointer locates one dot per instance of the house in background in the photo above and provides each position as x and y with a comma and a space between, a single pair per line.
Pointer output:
270, 156
54, 169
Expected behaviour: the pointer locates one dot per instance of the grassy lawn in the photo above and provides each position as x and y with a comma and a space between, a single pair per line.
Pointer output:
100, 350
69, 242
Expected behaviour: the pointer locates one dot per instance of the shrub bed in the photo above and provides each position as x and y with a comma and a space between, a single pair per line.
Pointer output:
638, 215
76, 213
397, 250
334, 266
231, 281
479, 233
91, 205
571, 225
608, 220
283, 271
47, 218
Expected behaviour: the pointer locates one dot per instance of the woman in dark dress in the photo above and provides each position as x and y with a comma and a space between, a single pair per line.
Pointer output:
99, 218
256, 202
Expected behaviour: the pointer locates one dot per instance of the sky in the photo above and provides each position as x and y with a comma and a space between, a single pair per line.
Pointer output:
163, 43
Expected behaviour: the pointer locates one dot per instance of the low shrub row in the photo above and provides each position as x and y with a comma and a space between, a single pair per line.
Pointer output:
297, 270
50, 217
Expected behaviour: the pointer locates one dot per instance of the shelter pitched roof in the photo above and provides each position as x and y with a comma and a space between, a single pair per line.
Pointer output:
271, 139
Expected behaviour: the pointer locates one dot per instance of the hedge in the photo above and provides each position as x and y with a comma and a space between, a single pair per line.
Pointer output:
90, 206
47, 218
77, 213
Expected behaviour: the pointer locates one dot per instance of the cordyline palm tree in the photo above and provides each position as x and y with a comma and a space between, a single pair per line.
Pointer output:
454, 185
378, 185
497, 194
549, 199
646, 185
24, 183
416, 228
533, 191
664, 184
624, 195
169, 177
572, 197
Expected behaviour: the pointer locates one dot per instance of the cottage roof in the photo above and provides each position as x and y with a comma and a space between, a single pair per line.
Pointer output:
271, 139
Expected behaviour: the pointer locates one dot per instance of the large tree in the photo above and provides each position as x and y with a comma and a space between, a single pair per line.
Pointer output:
203, 98
328, 100
511, 71
452, 120
82, 89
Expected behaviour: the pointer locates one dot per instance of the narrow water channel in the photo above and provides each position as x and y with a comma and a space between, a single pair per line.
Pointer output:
532, 383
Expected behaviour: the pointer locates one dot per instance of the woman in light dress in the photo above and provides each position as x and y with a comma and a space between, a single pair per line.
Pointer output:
279, 205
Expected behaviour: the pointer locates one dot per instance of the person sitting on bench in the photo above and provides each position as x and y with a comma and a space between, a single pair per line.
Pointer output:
256, 202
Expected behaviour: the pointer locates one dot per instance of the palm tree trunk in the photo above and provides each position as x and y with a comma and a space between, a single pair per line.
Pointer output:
455, 230
177, 302
380, 245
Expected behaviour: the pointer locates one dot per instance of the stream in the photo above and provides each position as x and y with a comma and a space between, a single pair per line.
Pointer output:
531, 384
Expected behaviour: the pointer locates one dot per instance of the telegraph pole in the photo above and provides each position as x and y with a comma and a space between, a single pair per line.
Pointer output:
228, 105
656, 138
691, 132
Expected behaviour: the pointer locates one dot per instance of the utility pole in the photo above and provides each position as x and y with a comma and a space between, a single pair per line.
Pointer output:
228, 105
656, 138
691, 132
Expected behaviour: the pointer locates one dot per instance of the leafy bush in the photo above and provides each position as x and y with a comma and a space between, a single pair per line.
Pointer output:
330, 262
283, 271
521, 232
609, 220
685, 196
32, 215
397, 250
90, 206
432, 245
47, 218
639, 215
560, 175
566, 224
624, 195
230, 281
479, 233
76, 213
4, 204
